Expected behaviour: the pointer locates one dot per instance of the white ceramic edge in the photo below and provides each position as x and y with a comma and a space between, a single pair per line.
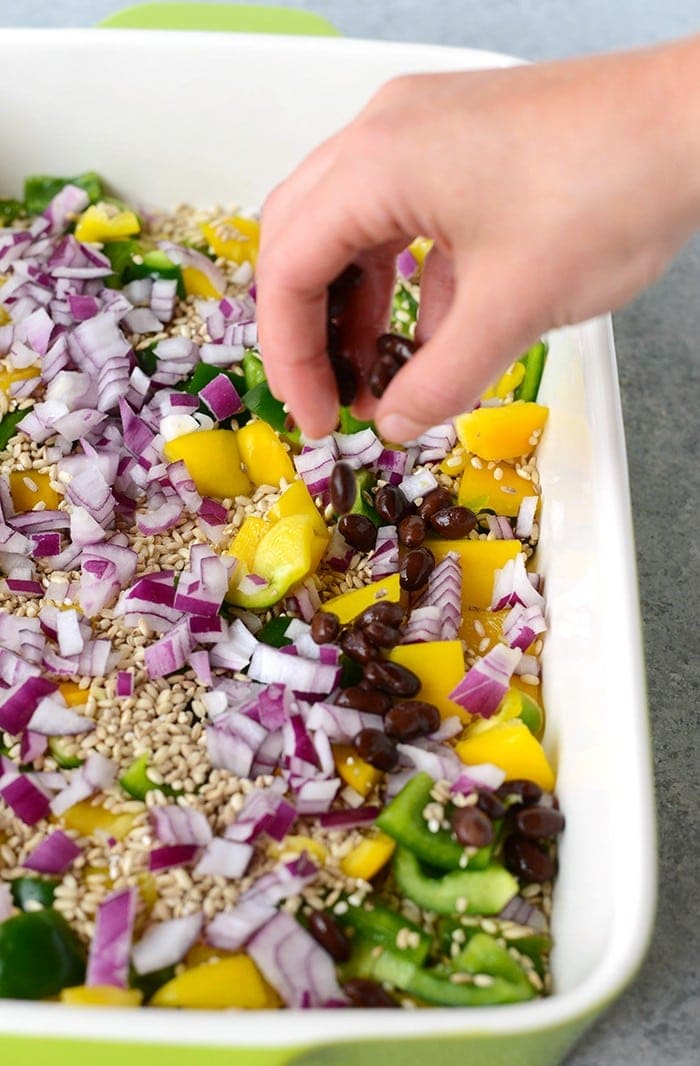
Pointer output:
628, 944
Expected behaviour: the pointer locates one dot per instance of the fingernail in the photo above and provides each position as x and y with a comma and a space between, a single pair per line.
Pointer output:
397, 428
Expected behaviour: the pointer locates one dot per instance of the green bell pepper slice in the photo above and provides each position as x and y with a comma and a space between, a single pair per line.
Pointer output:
403, 821
350, 424
10, 210
32, 890
273, 632
136, 782
40, 189
375, 922
39, 955
8, 426
155, 264
253, 370
459, 892
62, 757
533, 361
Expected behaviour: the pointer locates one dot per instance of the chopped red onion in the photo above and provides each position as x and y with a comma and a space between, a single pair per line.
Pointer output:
484, 685
70, 639
32, 745
483, 775
315, 466
29, 802
436, 443
294, 963
224, 858
439, 761
180, 825
385, 558
166, 943
96, 774
444, 590
354, 819
416, 485
522, 912
338, 553
264, 811
172, 855
526, 516
53, 719
19, 702
406, 263
125, 684
170, 652
301, 675
512, 584
54, 855
522, 625
110, 948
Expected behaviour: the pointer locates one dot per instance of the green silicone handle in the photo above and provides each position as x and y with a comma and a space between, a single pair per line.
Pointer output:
230, 18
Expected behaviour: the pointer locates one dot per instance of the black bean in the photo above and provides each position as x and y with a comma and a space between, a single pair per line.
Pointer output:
520, 792
325, 627
395, 344
526, 860
409, 719
370, 700
357, 645
393, 678
345, 379
343, 487
382, 372
386, 611
376, 748
289, 423
415, 568
381, 635
453, 521
326, 931
334, 339
390, 504
472, 827
359, 531
411, 531
341, 287
491, 805
539, 823
364, 993
434, 501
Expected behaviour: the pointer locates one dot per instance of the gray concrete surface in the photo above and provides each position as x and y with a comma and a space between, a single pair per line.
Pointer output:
655, 1022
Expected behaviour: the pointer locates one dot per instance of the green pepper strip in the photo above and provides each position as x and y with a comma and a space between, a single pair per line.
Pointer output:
253, 370
350, 424
40, 189
39, 955
375, 922
8, 426
136, 782
11, 210
441, 986
403, 821
273, 632
461, 892
533, 361
32, 890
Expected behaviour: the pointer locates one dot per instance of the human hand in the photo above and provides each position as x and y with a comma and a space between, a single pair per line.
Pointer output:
553, 193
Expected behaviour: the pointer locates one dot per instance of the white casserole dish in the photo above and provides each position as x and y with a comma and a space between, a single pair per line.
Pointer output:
167, 117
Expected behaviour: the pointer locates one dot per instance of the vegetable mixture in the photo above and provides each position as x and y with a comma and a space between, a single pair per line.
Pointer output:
269, 714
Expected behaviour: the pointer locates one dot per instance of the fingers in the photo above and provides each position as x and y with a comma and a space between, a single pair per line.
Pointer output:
437, 287
485, 329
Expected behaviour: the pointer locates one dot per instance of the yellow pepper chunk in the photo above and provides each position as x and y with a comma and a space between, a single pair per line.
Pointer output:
30, 487
8, 377
235, 238
299, 844
349, 604
479, 488
225, 983
4, 315
101, 996
245, 544
97, 821
502, 432
200, 953
454, 463
523, 686
366, 860
105, 222
515, 704
511, 746
420, 247
263, 454
73, 694
284, 556
473, 621
197, 283
148, 889
479, 560
213, 461
296, 499
507, 383
355, 772
440, 666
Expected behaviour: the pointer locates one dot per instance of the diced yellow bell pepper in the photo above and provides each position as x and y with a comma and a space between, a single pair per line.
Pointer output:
235, 238
296, 499
454, 463
201, 953
298, 844
148, 889
515, 704
105, 222
284, 557
366, 860
226, 983
263, 455
197, 283
4, 315
479, 488
507, 383
73, 694
479, 560
349, 604
492, 623
92, 821
512, 747
30, 487
420, 247
355, 772
502, 432
440, 666
523, 686
213, 461
101, 996
8, 377
245, 544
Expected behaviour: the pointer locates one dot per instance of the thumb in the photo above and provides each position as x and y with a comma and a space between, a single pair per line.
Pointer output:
485, 329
